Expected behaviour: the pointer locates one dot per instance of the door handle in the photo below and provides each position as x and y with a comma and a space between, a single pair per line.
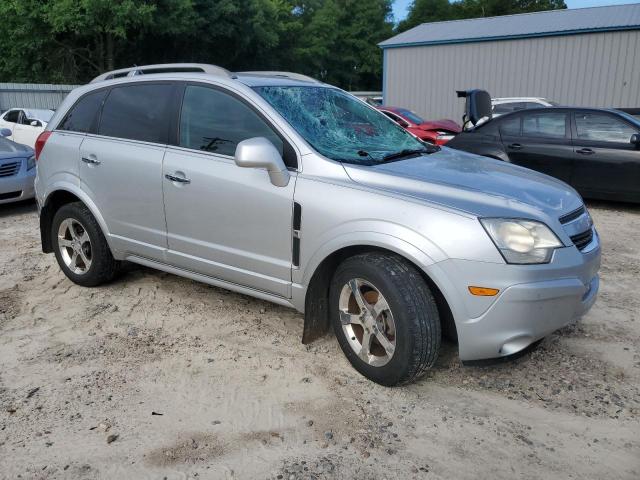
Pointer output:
175, 178
91, 161
585, 151
515, 146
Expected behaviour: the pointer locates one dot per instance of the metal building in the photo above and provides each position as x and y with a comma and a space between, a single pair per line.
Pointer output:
581, 57
32, 95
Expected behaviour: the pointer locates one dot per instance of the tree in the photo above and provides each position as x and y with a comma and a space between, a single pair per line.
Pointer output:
75, 39
423, 11
71, 41
340, 43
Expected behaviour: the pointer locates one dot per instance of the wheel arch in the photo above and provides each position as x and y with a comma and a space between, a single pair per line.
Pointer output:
316, 298
56, 198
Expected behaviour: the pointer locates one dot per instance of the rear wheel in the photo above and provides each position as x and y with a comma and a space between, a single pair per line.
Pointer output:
385, 318
80, 247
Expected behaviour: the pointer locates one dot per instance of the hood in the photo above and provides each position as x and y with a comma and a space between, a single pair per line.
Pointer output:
444, 124
9, 149
477, 185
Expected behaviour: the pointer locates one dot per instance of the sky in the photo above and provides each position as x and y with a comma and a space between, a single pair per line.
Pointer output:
400, 6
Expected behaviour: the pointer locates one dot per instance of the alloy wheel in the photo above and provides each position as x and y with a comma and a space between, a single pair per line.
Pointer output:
75, 246
367, 322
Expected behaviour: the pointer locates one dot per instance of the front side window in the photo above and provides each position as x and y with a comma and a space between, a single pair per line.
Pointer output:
599, 127
137, 112
214, 121
12, 116
339, 126
547, 125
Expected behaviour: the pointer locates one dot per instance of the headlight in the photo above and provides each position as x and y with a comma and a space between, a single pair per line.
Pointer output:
522, 241
31, 162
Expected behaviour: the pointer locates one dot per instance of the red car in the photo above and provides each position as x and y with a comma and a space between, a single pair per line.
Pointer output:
438, 132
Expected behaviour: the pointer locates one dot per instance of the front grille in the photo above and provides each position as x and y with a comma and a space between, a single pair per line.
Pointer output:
9, 169
569, 217
583, 239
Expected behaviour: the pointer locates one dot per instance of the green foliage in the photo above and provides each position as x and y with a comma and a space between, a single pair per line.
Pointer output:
339, 44
422, 11
74, 40
334, 40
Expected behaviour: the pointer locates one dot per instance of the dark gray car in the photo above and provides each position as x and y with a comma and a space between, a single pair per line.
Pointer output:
596, 151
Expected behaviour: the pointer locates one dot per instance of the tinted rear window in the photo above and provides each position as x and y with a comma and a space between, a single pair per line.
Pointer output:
510, 126
549, 125
137, 112
83, 115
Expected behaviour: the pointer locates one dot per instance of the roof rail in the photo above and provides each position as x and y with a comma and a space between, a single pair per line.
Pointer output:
164, 68
291, 75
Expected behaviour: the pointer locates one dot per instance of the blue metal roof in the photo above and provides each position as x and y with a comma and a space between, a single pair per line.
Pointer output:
525, 25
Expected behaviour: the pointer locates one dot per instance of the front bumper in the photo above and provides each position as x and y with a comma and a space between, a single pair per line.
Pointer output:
19, 186
534, 300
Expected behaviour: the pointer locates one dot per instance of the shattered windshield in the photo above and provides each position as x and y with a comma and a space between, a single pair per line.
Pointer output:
341, 127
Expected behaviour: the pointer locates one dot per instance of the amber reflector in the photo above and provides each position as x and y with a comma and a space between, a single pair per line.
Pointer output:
483, 291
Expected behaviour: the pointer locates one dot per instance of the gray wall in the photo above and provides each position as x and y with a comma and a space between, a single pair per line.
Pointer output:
597, 70
31, 95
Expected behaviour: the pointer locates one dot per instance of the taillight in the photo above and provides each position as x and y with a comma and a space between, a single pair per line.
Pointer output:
40, 141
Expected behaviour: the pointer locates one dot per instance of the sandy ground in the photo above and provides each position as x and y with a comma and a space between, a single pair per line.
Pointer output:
156, 376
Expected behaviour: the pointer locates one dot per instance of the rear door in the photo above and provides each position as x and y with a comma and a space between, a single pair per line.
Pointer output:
540, 140
121, 165
607, 164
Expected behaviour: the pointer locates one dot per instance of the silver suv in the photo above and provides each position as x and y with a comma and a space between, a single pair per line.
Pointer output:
277, 186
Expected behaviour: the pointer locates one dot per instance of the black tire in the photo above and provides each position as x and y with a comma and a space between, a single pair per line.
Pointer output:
103, 266
414, 310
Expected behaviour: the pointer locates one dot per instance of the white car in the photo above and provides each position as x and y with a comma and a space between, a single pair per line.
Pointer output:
504, 105
25, 124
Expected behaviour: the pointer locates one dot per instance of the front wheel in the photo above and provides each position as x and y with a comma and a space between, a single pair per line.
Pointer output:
385, 318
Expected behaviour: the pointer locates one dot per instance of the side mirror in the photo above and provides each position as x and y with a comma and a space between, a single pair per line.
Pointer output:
35, 123
5, 132
258, 152
635, 139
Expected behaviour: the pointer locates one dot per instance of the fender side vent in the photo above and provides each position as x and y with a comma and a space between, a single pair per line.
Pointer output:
297, 216
297, 224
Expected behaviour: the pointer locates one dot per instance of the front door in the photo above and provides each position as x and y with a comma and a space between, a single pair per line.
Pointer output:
225, 221
607, 164
541, 141
11, 120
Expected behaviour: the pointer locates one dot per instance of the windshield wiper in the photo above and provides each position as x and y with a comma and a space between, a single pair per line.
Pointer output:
408, 152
